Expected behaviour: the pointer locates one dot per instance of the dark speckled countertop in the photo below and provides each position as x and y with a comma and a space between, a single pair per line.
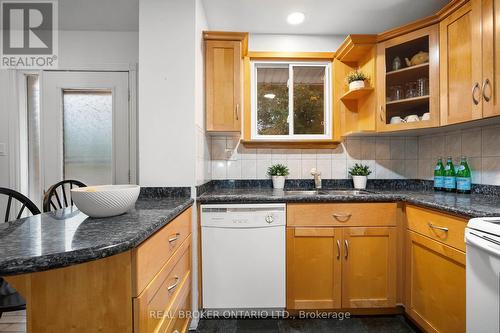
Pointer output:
66, 237
467, 205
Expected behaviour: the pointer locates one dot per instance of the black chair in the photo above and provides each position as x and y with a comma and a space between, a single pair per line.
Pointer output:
60, 193
10, 299
13, 196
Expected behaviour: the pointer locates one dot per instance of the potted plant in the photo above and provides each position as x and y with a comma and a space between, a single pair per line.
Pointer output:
356, 80
359, 173
278, 173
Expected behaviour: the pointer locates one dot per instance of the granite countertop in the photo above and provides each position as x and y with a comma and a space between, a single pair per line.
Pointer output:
67, 237
467, 205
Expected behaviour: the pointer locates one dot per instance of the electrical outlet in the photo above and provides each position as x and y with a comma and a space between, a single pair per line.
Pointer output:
3, 149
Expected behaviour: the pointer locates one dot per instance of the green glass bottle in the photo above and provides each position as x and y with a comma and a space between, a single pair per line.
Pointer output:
464, 177
450, 181
439, 175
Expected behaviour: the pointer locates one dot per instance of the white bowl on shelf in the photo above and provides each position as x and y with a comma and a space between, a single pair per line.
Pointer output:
105, 200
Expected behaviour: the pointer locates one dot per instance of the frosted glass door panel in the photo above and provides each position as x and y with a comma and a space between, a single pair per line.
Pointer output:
88, 136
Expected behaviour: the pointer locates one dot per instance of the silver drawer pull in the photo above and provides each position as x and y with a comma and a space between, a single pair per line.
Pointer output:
172, 287
174, 238
437, 227
346, 242
342, 216
338, 249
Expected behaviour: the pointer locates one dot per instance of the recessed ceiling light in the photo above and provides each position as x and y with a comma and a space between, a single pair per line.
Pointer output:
295, 18
269, 96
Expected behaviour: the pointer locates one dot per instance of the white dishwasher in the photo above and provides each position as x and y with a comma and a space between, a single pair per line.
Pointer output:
243, 256
482, 237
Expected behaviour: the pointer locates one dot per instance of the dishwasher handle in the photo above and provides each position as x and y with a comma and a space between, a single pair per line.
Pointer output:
483, 242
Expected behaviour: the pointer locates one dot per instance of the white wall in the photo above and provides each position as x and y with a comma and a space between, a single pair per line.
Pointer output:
203, 169
294, 43
98, 48
166, 93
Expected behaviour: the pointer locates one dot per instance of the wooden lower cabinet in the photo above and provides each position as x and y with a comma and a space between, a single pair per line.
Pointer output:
332, 268
313, 268
435, 284
369, 267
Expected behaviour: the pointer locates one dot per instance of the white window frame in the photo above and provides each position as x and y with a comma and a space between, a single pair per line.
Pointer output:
255, 136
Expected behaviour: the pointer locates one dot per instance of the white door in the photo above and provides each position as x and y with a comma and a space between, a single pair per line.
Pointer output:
85, 127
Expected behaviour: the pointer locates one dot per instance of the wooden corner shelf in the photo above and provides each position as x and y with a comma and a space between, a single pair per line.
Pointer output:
355, 47
356, 94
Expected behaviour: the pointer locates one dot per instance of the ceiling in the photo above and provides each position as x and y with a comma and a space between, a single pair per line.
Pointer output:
324, 17
99, 15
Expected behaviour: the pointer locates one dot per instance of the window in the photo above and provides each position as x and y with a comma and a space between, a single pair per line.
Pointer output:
290, 101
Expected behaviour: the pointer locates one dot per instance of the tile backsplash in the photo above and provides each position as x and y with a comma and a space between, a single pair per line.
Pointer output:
401, 157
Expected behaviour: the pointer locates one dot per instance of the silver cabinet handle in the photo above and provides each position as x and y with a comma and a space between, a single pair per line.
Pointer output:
172, 287
437, 227
338, 249
174, 238
237, 111
485, 84
346, 242
474, 89
342, 217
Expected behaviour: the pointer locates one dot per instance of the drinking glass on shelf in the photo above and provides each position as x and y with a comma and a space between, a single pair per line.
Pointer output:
411, 89
396, 92
423, 86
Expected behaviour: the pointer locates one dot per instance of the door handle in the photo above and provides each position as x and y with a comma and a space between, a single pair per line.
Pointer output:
437, 227
474, 89
237, 111
486, 83
174, 238
172, 287
338, 249
342, 217
346, 243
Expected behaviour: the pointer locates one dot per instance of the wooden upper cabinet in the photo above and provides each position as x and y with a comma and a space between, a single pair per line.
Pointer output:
460, 64
398, 90
369, 275
313, 270
224, 80
490, 24
435, 284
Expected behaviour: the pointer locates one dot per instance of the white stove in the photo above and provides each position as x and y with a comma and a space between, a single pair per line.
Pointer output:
482, 237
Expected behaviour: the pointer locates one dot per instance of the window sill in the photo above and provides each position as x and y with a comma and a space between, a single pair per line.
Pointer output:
305, 144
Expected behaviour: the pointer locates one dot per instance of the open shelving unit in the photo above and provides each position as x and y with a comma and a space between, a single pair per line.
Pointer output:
355, 109
421, 102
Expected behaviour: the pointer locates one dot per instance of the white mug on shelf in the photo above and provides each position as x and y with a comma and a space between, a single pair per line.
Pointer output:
412, 118
426, 116
397, 120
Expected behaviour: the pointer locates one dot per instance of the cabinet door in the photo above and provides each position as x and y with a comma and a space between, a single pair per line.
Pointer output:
223, 79
460, 65
369, 267
313, 268
491, 57
435, 284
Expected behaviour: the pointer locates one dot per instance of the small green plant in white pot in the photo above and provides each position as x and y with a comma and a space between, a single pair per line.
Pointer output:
360, 173
278, 173
356, 80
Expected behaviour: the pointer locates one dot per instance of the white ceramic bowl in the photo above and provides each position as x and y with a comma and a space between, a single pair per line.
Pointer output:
105, 200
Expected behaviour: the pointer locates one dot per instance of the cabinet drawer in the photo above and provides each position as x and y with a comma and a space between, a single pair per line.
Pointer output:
444, 228
179, 321
151, 308
150, 256
342, 214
